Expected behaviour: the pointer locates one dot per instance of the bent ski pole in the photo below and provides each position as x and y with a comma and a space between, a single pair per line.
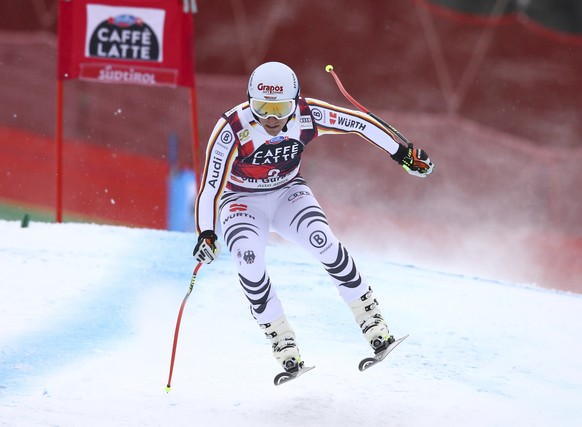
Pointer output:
360, 107
169, 386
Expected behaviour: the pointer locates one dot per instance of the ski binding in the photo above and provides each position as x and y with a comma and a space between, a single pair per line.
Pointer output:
284, 377
368, 362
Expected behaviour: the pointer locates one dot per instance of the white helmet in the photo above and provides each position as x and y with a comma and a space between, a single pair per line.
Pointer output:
273, 90
273, 81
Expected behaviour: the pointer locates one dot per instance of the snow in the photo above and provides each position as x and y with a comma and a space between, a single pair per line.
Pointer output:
87, 318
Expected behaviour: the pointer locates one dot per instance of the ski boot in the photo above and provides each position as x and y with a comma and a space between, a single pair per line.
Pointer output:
283, 341
371, 322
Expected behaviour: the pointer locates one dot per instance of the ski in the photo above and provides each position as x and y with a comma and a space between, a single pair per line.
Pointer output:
285, 377
368, 362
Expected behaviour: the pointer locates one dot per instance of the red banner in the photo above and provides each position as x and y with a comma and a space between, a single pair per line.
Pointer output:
145, 42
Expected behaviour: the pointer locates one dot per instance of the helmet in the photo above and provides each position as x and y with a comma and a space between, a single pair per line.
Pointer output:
273, 90
273, 81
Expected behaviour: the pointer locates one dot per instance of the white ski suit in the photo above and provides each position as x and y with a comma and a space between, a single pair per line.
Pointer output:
252, 185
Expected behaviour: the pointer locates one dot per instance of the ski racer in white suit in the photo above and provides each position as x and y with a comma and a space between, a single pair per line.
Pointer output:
252, 185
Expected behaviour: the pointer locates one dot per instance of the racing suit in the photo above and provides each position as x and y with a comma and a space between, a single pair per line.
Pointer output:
252, 185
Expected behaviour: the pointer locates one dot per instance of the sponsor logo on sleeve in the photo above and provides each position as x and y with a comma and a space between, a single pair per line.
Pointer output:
317, 114
216, 164
332, 118
306, 122
351, 123
226, 137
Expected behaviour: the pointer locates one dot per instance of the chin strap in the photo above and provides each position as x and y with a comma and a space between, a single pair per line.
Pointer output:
285, 127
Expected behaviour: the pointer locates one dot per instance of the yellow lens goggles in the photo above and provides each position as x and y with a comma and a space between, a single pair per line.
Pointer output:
278, 109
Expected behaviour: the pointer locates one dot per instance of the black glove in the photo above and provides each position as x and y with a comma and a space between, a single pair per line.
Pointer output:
207, 249
414, 160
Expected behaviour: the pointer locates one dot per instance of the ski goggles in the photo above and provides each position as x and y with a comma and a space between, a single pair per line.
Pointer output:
278, 109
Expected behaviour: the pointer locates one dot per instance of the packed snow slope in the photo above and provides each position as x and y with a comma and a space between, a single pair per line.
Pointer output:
87, 317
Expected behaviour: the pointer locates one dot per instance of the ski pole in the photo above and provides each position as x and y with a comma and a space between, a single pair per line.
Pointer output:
329, 69
168, 387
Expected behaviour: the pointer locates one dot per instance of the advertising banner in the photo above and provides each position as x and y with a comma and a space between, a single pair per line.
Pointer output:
144, 42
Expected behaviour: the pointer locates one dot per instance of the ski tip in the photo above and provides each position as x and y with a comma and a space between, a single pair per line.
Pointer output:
284, 377
280, 379
366, 363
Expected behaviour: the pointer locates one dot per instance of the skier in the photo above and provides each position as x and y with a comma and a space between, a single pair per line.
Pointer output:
251, 184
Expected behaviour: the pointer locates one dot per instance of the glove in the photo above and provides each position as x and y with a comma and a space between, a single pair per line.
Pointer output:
207, 249
414, 160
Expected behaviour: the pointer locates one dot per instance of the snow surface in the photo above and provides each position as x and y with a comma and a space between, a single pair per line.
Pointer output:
87, 318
